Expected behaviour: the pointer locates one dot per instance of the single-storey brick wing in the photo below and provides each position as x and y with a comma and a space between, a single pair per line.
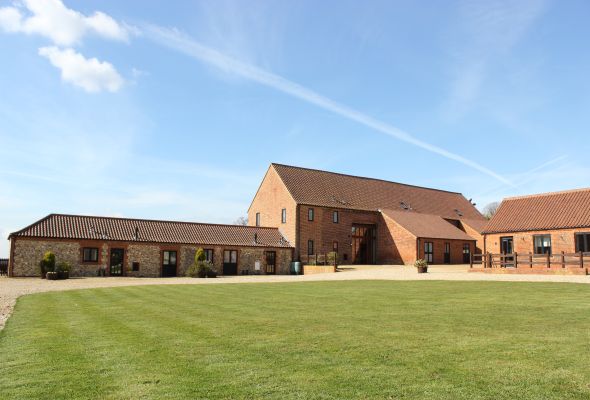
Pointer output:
548, 223
365, 220
139, 247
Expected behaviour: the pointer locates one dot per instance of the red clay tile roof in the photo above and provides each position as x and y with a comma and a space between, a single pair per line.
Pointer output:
329, 189
477, 224
107, 228
426, 225
557, 210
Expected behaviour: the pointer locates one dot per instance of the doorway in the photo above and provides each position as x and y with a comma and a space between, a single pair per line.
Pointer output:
271, 260
506, 247
364, 244
169, 263
447, 253
230, 262
117, 260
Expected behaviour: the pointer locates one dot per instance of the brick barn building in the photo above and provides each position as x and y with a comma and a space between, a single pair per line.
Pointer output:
548, 223
365, 220
138, 247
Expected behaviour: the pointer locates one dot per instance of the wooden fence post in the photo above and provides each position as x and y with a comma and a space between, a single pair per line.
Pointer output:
548, 260
581, 259
490, 260
563, 259
470, 260
531, 259
515, 259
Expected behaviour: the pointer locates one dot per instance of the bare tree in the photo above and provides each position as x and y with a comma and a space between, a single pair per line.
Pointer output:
490, 209
241, 221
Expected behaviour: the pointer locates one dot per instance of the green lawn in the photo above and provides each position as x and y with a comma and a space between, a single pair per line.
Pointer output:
324, 340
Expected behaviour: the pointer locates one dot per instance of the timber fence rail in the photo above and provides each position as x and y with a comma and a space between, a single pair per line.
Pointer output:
530, 260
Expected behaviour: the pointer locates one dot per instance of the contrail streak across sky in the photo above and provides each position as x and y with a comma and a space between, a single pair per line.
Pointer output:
176, 40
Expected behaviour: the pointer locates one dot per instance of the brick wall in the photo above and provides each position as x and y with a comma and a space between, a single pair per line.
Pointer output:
398, 245
561, 240
324, 232
28, 252
439, 249
271, 198
474, 234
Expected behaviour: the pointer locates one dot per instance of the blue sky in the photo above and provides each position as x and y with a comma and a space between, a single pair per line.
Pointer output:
174, 110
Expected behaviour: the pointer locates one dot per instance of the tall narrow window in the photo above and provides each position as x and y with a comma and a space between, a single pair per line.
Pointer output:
310, 247
284, 215
428, 252
542, 244
335, 246
583, 242
310, 214
257, 219
335, 217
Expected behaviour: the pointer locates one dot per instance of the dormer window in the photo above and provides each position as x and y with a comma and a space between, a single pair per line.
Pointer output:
404, 205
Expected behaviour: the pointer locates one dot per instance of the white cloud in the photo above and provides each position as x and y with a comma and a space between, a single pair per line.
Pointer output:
88, 73
64, 26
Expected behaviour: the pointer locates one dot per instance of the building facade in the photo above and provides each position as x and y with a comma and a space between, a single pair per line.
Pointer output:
548, 223
146, 248
364, 220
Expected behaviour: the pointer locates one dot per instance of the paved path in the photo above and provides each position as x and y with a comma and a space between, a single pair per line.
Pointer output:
12, 288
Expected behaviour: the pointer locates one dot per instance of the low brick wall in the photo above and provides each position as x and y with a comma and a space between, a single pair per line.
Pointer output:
534, 270
318, 269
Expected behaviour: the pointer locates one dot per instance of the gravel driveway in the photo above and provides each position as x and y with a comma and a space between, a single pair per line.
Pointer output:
12, 288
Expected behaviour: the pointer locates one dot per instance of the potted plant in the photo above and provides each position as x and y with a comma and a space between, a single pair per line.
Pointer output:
47, 264
421, 266
63, 270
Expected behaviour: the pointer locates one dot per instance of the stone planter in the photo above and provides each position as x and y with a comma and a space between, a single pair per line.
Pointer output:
422, 270
63, 274
52, 276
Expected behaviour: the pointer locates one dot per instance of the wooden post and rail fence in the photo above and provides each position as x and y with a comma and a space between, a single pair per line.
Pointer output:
521, 261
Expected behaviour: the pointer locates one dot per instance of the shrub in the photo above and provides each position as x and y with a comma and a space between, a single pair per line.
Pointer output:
420, 263
201, 268
332, 258
63, 270
47, 264
63, 266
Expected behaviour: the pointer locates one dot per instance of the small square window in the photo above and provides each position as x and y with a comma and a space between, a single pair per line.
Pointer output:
90, 254
135, 266
209, 255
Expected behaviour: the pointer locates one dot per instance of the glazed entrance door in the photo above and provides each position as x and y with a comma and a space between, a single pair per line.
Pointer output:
169, 263
116, 262
506, 247
364, 244
230, 262
271, 257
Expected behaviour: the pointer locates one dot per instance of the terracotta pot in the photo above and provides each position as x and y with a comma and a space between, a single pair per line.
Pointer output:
52, 276
422, 270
